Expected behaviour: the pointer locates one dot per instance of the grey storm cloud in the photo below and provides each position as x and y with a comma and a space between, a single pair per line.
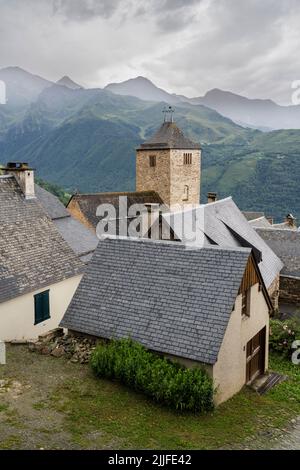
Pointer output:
82, 10
185, 46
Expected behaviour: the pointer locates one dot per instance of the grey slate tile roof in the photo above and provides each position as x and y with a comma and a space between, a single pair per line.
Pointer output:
225, 225
169, 136
171, 299
251, 215
52, 205
286, 244
32, 252
88, 203
82, 240
261, 222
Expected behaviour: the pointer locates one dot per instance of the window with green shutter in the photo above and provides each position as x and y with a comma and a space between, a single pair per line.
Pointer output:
41, 307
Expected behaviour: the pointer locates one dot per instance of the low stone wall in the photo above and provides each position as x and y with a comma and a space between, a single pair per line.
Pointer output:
290, 290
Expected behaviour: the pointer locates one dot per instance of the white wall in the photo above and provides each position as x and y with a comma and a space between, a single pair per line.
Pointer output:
17, 315
229, 372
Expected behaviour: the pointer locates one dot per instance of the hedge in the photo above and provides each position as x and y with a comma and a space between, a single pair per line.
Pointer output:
282, 336
160, 379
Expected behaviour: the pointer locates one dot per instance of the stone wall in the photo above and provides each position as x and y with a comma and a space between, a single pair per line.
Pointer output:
155, 178
289, 290
169, 176
185, 175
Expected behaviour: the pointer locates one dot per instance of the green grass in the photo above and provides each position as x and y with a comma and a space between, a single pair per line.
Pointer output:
129, 420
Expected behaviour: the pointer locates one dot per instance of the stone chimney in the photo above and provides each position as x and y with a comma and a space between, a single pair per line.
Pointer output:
291, 221
24, 176
211, 197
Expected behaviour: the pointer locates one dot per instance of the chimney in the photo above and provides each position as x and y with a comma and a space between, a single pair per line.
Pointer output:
211, 197
24, 176
290, 221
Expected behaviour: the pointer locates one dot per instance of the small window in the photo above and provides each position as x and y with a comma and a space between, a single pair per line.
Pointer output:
152, 160
41, 307
187, 158
186, 193
246, 302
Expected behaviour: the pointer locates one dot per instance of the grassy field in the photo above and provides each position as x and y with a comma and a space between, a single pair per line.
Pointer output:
53, 404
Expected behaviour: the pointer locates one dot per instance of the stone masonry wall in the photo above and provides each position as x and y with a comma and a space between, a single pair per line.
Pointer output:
169, 177
156, 178
182, 175
290, 290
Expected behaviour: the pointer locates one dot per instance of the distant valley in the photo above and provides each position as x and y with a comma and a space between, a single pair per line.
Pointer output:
85, 139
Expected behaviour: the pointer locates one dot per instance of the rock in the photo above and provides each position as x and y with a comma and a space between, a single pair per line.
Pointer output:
45, 337
58, 351
46, 350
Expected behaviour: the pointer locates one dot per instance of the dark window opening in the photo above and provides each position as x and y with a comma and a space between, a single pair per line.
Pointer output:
187, 158
152, 160
41, 307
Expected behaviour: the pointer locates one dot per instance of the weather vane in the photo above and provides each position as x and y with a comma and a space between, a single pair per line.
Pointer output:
168, 111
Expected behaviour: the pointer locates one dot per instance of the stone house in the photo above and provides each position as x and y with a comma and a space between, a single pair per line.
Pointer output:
286, 244
224, 225
39, 272
203, 307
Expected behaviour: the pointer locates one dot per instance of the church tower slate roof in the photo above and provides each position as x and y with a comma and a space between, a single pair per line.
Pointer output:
169, 136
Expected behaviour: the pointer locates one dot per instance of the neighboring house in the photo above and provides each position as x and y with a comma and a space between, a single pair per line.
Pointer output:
224, 225
288, 224
39, 272
286, 244
83, 207
82, 240
261, 222
202, 307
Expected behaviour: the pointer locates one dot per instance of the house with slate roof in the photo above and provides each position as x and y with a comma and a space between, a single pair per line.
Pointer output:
206, 307
286, 244
39, 271
80, 238
223, 224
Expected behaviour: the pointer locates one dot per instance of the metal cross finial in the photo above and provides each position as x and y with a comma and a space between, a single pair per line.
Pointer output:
168, 111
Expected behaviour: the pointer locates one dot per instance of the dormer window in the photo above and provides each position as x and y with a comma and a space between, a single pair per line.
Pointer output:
187, 158
152, 160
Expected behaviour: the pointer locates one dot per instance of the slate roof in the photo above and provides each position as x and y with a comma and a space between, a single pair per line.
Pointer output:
88, 203
32, 252
169, 136
225, 226
286, 244
251, 215
261, 222
171, 299
82, 240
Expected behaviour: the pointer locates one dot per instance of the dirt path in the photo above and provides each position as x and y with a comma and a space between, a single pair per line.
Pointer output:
291, 439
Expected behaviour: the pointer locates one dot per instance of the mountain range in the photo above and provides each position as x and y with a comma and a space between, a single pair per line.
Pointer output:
85, 139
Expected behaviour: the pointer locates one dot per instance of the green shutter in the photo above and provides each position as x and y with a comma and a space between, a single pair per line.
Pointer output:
41, 307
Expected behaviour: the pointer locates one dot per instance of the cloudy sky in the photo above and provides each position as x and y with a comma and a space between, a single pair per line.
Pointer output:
250, 47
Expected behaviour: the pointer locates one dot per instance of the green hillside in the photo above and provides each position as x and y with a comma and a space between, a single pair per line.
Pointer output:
85, 140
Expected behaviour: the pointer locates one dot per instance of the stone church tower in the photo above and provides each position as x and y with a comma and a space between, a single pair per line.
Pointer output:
169, 163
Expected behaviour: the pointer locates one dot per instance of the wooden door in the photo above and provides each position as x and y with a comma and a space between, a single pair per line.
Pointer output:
255, 360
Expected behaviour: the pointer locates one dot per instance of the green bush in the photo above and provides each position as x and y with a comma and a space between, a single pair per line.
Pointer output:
162, 380
282, 336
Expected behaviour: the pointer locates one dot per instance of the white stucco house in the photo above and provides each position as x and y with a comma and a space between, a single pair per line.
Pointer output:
203, 307
39, 272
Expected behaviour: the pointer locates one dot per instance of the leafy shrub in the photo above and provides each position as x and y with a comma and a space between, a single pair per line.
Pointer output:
162, 380
282, 336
